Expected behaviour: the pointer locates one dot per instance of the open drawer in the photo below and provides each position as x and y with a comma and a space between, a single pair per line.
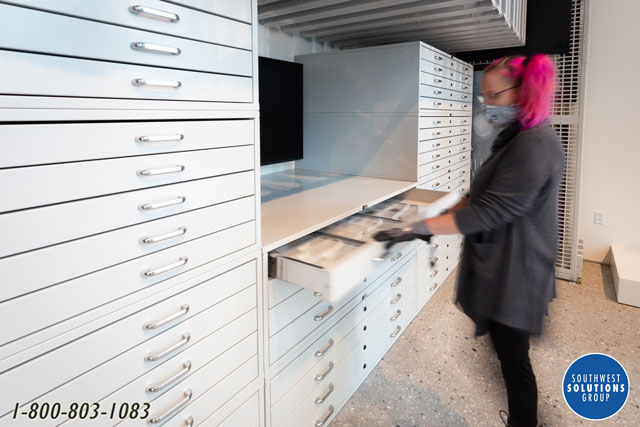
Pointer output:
333, 260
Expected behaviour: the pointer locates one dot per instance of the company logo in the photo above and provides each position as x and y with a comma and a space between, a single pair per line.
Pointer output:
595, 386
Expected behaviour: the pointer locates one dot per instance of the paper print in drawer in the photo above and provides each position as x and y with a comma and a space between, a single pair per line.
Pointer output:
358, 227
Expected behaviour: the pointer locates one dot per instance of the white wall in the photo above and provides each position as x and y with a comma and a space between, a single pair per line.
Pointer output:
276, 44
610, 177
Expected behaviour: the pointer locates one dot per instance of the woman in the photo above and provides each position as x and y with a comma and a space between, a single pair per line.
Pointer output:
506, 276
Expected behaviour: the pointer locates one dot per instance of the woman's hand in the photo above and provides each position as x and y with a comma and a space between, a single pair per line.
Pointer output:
417, 230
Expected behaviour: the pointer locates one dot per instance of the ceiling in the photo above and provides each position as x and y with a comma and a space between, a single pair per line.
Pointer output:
450, 25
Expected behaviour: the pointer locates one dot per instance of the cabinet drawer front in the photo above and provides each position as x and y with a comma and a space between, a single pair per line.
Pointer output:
74, 297
433, 144
443, 81
224, 296
292, 308
247, 415
434, 69
427, 166
280, 291
443, 132
441, 104
442, 93
436, 154
78, 257
173, 20
436, 183
331, 346
33, 74
36, 228
116, 44
235, 9
44, 185
25, 145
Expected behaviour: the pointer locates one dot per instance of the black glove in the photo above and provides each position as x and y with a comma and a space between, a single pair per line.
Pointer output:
392, 236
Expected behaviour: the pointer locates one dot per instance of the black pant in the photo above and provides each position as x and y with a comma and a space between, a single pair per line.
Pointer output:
512, 346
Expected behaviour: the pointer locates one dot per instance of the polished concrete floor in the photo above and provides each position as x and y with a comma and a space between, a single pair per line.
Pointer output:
438, 374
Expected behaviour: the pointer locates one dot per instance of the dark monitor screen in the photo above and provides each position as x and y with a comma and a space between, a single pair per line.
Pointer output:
280, 88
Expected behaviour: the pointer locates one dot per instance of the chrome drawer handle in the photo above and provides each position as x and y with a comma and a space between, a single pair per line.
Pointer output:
397, 257
435, 156
462, 157
436, 185
465, 87
433, 287
438, 69
461, 190
435, 167
320, 317
161, 171
465, 106
437, 80
320, 399
174, 410
395, 316
435, 246
435, 145
437, 104
396, 282
174, 84
434, 274
462, 181
155, 357
188, 422
465, 68
167, 268
160, 138
323, 350
437, 122
439, 58
155, 13
436, 133
186, 367
162, 237
324, 373
437, 92
465, 96
317, 294
395, 332
155, 48
463, 172
464, 121
321, 422
396, 299
434, 260
163, 204
184, 309
463, 148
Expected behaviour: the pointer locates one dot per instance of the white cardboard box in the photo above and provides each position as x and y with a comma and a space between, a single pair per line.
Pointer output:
625, 266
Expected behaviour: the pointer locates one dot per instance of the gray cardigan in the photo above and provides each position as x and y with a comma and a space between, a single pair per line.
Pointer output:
511, 228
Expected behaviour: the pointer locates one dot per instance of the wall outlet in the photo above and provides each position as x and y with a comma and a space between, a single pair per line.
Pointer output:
598, 218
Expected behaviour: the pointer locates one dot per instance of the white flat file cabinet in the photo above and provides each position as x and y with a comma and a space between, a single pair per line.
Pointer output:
130, 262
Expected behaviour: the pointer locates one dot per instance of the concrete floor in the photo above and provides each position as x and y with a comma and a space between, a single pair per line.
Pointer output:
438, 374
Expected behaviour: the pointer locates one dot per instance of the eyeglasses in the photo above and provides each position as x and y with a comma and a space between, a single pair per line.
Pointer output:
495, 95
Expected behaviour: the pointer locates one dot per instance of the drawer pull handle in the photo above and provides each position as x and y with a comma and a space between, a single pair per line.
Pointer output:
437, 80
324, 373
435, 156
437, 104
435, 167
437, 122
436, 185
188, 422
439, 58
437, 133
433, 287
155, 48
463, 172
160, 138
174, 84
174, 410
317, 294
325, 417
465, 87
437, 92
435, 145
462, 181
323, 350
161, 171
463, 157
464, 97
320, 399
397, 257
465, 106
395, 316
186, 367
395, 332
167, 268
435, 246
396, 282
162, 237
320, 317
438, 69
163, 204
434, 274
159, 14
434, 260
184, 341
461, 190
396, 299
184, 309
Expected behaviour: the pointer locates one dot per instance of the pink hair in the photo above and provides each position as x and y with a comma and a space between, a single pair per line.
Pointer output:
536, 79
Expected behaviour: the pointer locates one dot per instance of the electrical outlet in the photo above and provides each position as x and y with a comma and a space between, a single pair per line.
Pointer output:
598, 218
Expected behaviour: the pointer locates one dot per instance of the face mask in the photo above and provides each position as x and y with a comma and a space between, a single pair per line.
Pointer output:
500, 115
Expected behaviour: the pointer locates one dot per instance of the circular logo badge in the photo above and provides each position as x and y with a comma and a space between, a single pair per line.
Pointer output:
595, 386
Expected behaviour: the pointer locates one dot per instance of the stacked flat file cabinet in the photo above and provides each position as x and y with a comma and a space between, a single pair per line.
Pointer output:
130, 214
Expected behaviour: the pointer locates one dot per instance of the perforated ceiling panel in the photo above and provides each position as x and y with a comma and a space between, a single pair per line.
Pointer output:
450, 25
